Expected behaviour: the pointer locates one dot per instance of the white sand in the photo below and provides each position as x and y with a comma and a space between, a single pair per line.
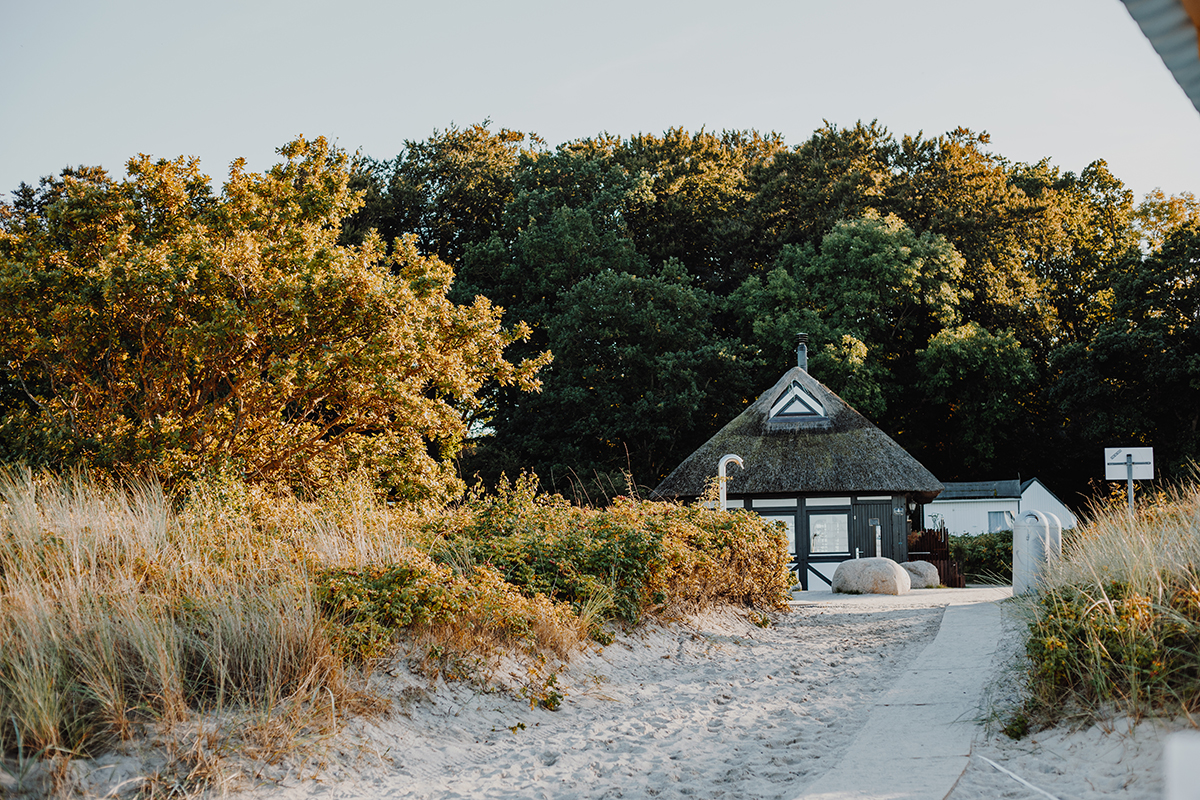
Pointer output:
713, 708
1114, 759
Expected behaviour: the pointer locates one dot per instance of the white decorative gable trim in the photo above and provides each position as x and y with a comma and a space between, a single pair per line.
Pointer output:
796, 403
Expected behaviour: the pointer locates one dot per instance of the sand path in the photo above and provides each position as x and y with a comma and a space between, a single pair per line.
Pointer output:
718, 708
715, 708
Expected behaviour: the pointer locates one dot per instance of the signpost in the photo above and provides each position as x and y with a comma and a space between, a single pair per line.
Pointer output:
1127, 464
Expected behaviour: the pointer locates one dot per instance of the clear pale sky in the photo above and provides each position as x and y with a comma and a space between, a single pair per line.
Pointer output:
96, 82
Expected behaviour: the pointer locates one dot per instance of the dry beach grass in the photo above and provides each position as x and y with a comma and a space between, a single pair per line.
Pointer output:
232, 622
191, 646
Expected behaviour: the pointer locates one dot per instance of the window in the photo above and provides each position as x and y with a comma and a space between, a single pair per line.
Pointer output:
789, 524
829, 533
1000, 521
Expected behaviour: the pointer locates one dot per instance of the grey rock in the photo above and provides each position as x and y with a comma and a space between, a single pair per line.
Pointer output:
923, 574
871, 576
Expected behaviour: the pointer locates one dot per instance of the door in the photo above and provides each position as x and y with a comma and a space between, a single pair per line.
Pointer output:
827, 539
871, 529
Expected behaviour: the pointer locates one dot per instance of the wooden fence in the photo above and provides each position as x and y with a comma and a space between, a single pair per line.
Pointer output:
934, 546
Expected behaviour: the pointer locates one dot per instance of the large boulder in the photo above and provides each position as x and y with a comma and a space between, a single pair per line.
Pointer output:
923, 574
871, 576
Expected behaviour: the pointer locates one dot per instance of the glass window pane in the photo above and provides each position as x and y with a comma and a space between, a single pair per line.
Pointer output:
999, 521
789, 523
829, 533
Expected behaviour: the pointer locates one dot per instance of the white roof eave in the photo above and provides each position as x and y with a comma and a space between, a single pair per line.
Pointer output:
1169, 27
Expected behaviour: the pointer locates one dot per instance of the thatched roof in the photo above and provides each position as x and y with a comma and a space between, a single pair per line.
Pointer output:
841, 452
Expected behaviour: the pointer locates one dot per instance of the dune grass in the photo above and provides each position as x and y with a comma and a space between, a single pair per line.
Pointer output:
1116, 627
123, 609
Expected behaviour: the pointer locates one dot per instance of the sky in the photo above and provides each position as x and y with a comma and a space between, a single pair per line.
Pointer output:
98, 81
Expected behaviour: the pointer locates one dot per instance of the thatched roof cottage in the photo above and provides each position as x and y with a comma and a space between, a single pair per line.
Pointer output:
817, 465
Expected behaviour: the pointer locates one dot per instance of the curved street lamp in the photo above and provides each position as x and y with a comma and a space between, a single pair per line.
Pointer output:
721, 478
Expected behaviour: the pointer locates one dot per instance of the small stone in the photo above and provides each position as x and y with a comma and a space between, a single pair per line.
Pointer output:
923, 574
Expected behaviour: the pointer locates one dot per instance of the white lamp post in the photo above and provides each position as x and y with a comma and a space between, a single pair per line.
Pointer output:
721, 465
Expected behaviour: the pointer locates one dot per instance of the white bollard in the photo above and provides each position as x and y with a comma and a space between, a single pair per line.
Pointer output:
1181, 765
1031, 540
1054, 539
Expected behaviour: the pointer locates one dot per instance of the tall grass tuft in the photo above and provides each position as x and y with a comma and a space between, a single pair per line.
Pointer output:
1117, 623
116, 611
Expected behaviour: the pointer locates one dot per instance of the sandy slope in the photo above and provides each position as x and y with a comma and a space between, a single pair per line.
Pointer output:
715, 708
1115, 759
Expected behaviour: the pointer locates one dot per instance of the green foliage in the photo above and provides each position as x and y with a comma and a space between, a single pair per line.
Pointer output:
369, 607
978, 385
938, 283
986, 557
474, 611
1137, 378
1092, 645
152, 325
872, 295
450, 190
976, 308
837, 174
696, 210
1117, 624
634, 376
636, 556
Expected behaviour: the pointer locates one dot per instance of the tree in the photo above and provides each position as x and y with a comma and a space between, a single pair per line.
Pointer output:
977, 385
1158, 215
872, 295
449, 190
1137, 379
838, 174
696, 208
639, 380
954, 187
154, 325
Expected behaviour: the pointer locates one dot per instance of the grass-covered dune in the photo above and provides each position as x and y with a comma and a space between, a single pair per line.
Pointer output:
122, 606
1116, 627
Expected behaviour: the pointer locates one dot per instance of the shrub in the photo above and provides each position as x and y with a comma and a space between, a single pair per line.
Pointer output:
1118, 622
986, 557
371, 607
635, 556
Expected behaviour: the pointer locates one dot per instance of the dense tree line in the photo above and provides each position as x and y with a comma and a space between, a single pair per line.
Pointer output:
996, 318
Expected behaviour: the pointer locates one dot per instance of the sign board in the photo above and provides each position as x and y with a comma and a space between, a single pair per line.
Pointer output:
1116, 460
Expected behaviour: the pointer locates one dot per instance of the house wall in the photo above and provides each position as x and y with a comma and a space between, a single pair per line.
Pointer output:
815, 570
968, 516
971, 516
1039, 498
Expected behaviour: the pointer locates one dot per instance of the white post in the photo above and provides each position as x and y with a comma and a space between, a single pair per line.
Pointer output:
1031, 532
1181, 761
1129, 480
721, 465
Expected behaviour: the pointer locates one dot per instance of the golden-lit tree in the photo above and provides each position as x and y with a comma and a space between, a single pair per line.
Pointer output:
152, 324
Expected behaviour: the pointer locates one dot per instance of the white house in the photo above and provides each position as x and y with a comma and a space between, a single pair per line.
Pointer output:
984, 506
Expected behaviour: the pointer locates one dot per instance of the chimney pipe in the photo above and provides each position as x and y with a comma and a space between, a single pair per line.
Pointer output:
802, 352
